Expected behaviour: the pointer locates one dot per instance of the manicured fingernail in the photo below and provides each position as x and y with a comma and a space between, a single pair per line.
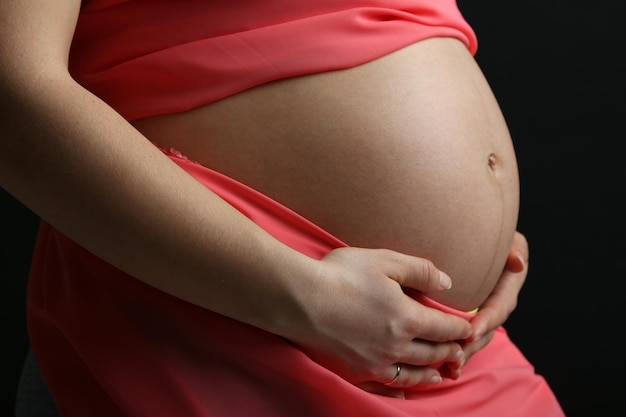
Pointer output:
520, 256
445, 283
436, 379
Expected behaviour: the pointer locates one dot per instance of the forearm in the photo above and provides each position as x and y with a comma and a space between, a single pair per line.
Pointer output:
81, 167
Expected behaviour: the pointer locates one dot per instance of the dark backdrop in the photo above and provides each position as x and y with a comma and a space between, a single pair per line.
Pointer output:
556, 67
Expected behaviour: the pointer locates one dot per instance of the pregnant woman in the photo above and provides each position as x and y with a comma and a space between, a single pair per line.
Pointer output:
246, 207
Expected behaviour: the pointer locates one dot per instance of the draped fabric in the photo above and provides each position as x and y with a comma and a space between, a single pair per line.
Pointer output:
149, 57
110, 345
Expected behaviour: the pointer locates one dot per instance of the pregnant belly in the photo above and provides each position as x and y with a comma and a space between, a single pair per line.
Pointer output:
409, 152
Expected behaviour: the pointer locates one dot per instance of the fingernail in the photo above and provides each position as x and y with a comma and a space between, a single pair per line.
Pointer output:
435, 379
521, 258
445, 283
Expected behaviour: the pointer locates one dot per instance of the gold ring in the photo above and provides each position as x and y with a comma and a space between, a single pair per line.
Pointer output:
395, 378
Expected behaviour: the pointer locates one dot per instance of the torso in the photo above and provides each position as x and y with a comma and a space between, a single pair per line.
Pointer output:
409, 152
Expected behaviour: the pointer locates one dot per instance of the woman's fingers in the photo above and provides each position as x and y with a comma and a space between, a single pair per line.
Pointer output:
400, 376
416, 273
380, 323
503, 299
406, 376
422, 352
434, 325
420, 366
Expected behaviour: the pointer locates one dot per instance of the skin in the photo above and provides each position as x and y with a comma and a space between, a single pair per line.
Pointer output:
75, 162
413, 155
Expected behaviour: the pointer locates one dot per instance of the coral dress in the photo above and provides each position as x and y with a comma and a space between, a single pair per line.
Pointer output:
110, 345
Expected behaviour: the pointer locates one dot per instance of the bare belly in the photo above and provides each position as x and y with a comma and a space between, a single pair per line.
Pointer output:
409, 152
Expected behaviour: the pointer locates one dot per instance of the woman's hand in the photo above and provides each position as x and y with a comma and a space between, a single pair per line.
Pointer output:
498, 306
361, 323
503, 299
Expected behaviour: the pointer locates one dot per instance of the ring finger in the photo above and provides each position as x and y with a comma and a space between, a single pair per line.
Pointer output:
402, 375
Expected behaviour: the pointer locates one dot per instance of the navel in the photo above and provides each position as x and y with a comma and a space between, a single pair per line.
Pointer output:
492, 162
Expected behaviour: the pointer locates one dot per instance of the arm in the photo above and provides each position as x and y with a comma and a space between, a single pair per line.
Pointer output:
76, 163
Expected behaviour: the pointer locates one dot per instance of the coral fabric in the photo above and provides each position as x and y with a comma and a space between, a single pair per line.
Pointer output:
110, 345
149, 57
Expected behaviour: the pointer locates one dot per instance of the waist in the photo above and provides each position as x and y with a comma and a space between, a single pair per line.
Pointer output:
409, 152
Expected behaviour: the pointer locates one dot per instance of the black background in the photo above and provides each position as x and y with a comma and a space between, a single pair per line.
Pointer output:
557, 69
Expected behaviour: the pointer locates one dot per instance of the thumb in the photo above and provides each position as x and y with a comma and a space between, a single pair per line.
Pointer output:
421, 275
